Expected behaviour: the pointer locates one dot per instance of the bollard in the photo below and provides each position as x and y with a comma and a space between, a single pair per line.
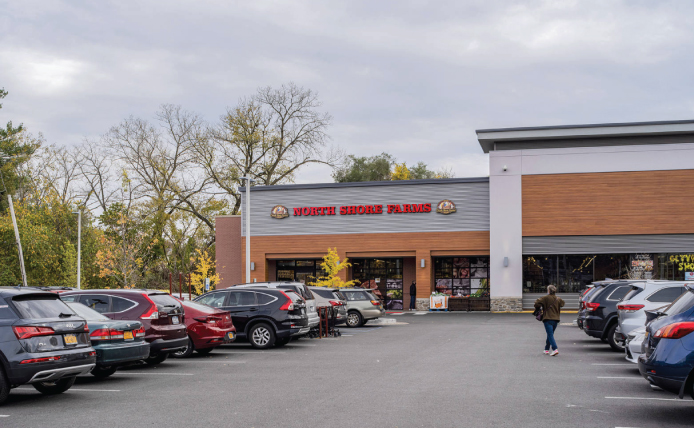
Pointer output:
190, 295
170, 288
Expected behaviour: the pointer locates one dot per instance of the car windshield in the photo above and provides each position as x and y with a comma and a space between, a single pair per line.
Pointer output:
87, 313
681, 304
356, 295
34, 307
323, 292
198, 306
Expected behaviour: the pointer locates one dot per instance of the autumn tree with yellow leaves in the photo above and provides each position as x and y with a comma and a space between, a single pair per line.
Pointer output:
331, 267
204, 268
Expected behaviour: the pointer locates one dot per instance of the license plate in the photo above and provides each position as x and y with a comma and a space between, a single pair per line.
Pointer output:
174, 320
70, 339
230, 336
128, 335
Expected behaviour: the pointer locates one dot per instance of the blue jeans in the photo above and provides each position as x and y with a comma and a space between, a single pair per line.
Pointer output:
412, 301
550, 326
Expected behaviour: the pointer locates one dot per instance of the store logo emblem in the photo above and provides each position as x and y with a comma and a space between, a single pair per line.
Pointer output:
279, 211
445, 207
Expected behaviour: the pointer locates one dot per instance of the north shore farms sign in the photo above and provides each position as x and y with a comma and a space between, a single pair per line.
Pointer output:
280, 211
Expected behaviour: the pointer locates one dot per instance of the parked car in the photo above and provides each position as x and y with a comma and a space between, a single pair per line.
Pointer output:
633, 344
331, 297
265, 316
362, 306
644, 296
585, 297
668, 351
301, 289
161, 315
601, 313
43, 342
117, 343
207, 329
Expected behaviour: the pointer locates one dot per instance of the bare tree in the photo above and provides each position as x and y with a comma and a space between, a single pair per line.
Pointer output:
269, 137
98, 178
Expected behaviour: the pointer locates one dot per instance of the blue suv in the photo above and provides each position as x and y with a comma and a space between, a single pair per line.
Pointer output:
668, 357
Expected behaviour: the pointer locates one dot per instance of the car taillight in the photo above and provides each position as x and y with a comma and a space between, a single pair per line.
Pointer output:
375, 302
86, 328
675, 331
153, 312
140, 332
630, 308
40, 360
336, 303
106, 334
583, 305
591, 306
288, 305
26, 332
208, 319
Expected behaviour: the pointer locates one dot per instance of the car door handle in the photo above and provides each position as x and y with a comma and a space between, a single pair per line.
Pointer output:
253, 309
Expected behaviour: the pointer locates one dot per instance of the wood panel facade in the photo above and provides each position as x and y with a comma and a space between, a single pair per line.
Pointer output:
611, 203
420, 245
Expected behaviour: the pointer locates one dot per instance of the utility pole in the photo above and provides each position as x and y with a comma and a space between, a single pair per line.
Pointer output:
79, 249
19, 242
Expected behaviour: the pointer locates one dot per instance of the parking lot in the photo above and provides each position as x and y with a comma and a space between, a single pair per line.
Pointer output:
426, 370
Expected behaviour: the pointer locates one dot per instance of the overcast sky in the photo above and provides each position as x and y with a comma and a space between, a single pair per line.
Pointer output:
413, 78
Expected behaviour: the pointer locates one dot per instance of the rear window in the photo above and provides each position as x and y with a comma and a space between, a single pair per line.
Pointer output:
339, 295
6, 313
323, 292
619, 293
35, 307
86, 313
164, 300
633, 292
215, 300
301, 290
682, 304
294, 296
264, 299
198, 307
666, 295
352, 296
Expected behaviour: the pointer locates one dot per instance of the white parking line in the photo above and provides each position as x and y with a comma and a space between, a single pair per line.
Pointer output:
195, 361
347, 335
249, 352
302, 344
153, 373
614, 364
4, 416
649, 398
622, 377
93, 390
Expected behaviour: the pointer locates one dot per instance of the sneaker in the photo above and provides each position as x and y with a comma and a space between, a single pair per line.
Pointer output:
554, 353
546, 352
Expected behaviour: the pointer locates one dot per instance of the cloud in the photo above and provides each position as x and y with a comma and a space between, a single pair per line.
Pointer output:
409, 77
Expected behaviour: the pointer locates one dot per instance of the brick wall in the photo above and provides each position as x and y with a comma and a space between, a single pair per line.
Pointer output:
229, 250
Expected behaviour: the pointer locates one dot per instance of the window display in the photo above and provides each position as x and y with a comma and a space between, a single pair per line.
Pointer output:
462, 276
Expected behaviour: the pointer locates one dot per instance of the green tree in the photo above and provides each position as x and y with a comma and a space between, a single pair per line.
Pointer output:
363, 168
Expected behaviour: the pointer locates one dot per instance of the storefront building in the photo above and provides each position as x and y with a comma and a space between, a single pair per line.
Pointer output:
562, 205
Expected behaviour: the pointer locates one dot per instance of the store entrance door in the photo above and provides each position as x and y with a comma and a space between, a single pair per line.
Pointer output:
384, 277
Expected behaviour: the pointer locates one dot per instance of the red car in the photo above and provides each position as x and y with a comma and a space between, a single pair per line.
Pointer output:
207, 328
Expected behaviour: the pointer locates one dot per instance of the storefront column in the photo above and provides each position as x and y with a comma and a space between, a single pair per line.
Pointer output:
425, 283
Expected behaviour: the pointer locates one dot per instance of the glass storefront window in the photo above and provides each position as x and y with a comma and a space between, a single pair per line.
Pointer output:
383, 277
572, 273
462, 276
305, 271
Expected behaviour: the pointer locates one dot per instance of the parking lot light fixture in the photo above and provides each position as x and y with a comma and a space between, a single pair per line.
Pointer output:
249, 180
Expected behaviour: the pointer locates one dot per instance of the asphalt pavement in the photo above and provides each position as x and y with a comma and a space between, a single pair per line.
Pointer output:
430, 370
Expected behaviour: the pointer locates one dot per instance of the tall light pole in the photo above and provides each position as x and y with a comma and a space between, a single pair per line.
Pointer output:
249, 180
79, 249
14, 224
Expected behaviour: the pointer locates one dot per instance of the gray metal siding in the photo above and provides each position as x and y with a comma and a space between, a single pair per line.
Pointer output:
471, 200
612, 244
593, 142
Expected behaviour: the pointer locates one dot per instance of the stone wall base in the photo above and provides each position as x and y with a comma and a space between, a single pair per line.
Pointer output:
507, 304
422, 304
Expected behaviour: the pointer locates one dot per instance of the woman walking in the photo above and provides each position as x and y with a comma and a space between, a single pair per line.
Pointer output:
551, 307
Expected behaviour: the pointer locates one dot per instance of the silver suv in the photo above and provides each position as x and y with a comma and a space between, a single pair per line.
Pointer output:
645, 296
331, 297
362, 306
300, 288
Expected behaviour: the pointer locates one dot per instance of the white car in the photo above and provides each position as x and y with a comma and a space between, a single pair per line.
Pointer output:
633, 344
645, 296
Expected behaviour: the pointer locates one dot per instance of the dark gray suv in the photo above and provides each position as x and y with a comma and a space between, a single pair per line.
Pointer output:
42, 342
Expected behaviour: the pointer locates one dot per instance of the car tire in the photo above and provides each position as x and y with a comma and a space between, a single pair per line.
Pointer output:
185, 352
56, 387
155, 359
261, 336
612, 340
104, 371
354, 319
4, 386
603, 339
282, 342
204, 351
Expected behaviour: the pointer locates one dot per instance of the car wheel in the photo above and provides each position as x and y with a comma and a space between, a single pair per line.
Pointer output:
204, 351
4, 386
185, 352
612, 339
56, 387
103, 371
261, 336
354, 319
155, 359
